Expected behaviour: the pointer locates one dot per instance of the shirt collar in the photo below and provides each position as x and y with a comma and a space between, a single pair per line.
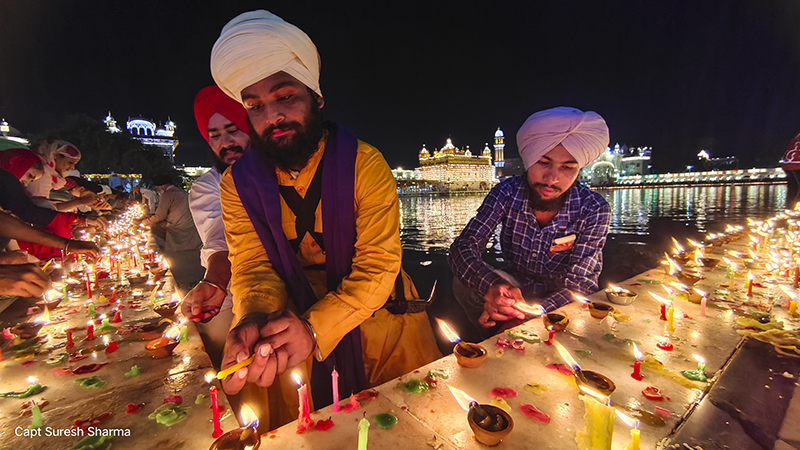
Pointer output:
568, 210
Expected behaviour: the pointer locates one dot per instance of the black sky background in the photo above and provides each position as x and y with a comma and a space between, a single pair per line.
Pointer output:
679, 76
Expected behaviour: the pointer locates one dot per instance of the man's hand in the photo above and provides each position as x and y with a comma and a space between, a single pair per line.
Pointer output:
202, 303
83, 248
499, 304
240, 344
289, 337
23, 280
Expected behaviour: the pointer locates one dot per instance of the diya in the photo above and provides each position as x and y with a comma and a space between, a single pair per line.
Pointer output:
469, 355
161, 347
558, 321
490, 424
27, 330
244, 438
620, 296
166, 309
599, 310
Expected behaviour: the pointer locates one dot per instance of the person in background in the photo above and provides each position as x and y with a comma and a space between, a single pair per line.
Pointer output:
59, 157
312, 221
182, 243
553, 229
223, 123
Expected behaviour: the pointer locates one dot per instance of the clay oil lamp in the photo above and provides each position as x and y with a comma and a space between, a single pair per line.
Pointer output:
51, 299
163, 346
689, 278
620, 296
157, 272
598, 310
137, 279
705, 249
243, 438
691, 294
704, 261
152, 330
679, 253
27, 330
166, 309
586, 378
489, 423
467, 354
557, 321
670, 266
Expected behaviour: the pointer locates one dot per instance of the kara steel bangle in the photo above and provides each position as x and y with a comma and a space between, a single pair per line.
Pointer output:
224, 291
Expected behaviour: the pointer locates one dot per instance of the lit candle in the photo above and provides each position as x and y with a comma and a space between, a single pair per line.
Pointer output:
550, 334
700, 373
113, 295
214, 405
637, 365
335, 380
634, 424
153, 294
599, 419
793, 308
703, 302
117, 316
184, 333
304, 420
70, 344
105, 325
363, 432
88, 286
750, 279
89, 331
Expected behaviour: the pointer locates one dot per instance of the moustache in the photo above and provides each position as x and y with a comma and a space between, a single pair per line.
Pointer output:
223, 153
283, 126
544, 185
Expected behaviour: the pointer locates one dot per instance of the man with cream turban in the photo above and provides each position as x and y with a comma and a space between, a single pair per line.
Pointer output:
312, 223
553, 229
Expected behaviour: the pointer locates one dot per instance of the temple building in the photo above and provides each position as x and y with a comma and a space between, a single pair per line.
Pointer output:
453, 169
619, 161
146, 132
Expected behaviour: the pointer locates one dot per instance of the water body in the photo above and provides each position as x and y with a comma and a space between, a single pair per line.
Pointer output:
643, 221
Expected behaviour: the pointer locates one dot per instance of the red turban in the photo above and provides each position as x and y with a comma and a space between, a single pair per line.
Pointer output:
18, 161
212, 100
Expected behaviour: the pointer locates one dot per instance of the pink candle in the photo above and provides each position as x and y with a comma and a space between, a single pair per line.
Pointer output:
304, 421
215, 409
335, 379
703, 303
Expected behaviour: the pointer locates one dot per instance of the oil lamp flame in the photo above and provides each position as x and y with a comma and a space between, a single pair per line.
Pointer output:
33, 380
750, 275
637, 354
659, 298
679, 286
701, 292
210, 376
566, 356
698, 255
297, 379
695, 244
616, 289
249, 417
464, 400
628, 420
698, 358
789, 291
580, 298
173, 333
448, 332
597, 395
678, 246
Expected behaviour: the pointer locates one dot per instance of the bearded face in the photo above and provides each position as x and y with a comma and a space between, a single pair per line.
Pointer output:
290, 150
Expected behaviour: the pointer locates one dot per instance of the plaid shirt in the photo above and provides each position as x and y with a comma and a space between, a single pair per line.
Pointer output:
526, 246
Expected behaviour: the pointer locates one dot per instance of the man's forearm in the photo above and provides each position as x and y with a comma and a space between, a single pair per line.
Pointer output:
16, 229
219, 269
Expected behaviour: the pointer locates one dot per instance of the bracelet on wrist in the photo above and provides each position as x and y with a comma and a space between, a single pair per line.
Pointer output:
66, 246
224, 291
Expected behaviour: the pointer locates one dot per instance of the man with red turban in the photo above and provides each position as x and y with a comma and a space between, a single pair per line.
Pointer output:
223, 123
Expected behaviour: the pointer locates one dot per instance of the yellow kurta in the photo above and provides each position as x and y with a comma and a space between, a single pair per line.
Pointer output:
392, 344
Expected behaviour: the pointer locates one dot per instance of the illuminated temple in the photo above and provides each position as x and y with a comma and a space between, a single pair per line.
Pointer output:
452, 169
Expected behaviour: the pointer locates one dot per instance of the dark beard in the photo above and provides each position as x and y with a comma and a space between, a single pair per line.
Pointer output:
290, 153
219, 161
539, 204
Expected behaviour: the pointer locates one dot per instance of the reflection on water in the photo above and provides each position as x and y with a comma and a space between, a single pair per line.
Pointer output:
432, 223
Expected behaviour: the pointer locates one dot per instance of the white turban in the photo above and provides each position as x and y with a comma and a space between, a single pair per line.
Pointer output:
583, 134
257, 44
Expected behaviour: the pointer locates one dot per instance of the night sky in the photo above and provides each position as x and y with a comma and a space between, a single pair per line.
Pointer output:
679, 76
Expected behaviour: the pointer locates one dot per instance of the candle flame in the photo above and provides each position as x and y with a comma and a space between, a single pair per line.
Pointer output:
580, 298
752, 254
674, 268
566, 356
750, 275
462, 398
701, 292
210, 376
174, 332
698, 358
695, 244
297, 379
448, 332
615, 289
789, 291
628, 420
668, 289
534, 310
679, 286
32, 380
636, 353
596, 395
248, 416
727, 261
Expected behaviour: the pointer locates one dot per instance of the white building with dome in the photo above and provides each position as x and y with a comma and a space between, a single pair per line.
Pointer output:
453, 169
148, 133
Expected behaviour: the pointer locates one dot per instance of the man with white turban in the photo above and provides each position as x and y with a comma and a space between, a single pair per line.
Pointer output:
312, 223
553, 229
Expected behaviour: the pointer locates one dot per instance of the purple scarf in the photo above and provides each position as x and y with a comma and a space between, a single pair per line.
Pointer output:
258, 190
